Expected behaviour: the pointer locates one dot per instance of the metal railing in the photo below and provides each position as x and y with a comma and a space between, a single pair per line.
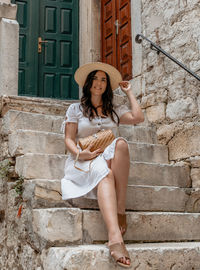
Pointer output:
157, 48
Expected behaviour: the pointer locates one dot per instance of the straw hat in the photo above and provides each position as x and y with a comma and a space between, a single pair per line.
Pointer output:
83, 71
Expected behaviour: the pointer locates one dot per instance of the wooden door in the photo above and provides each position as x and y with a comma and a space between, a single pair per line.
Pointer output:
48, 73
116, 35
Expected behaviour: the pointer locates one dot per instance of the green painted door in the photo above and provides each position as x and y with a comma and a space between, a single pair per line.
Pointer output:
49, 71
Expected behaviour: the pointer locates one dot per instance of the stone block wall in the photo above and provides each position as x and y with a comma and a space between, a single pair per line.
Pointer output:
171, 96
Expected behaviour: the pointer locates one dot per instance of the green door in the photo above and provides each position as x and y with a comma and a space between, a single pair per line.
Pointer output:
46, 68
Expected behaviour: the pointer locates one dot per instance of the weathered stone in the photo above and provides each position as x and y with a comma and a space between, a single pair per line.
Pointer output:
147, 256
195, 175
9, 44
198, 102
34, 105
177, 91
142, 173
14, 120
58, 225
195, 162
148, 152
166, 132
146, 227
156, 113
138, 134
8, 10
137, 86
51, 166
185, 144
148, 101
181, 108
46, 193
40, 166
26, 141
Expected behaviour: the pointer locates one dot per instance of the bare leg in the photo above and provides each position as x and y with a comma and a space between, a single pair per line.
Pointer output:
108, 206
120, 165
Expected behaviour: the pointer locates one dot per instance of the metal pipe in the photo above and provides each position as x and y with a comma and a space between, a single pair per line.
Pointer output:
138, 39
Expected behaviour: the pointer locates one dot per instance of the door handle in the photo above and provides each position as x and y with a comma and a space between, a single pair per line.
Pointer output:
40, 42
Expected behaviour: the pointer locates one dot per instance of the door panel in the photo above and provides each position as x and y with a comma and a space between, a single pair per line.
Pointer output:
116, 35
59, 58
27, 46
124, 40
108, 32
49, 73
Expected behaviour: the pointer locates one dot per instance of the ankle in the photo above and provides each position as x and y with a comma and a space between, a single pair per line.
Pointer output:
115, 237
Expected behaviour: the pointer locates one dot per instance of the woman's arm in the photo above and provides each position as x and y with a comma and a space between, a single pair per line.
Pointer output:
70, 142
136, 115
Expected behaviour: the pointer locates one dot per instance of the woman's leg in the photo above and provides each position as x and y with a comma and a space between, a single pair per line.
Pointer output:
108, 206
120, 165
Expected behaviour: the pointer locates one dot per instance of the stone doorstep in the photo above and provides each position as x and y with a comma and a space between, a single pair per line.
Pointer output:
47, 193
72, 225
157, 256
34, 105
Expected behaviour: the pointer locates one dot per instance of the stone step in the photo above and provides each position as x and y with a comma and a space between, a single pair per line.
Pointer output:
47, 193
138, 134
156, 256
14, 120
62, 226
47, 166
34, 105
145, 173
28, 141
155, 153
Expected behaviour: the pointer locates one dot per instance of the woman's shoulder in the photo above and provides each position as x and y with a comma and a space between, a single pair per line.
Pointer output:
74, 107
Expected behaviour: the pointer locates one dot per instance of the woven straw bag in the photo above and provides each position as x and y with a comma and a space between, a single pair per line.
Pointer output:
98, 140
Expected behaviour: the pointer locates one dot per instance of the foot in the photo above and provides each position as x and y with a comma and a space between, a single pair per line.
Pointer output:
120, 254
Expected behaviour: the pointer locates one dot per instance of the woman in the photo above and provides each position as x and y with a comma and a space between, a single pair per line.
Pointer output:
101, 176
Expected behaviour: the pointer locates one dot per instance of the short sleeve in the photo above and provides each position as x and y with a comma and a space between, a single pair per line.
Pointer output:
121, 109
72, 114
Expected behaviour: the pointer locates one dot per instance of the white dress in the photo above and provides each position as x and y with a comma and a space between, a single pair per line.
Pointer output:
76, 183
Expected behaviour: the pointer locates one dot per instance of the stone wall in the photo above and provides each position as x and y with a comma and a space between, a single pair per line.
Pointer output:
9, 45
170, 96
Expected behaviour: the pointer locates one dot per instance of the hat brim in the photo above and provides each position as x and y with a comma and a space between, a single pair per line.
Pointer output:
83, 71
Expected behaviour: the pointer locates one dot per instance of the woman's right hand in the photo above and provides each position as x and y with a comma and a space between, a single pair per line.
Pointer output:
88, 155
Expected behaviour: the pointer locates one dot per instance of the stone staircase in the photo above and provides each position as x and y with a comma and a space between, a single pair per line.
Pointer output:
162, 208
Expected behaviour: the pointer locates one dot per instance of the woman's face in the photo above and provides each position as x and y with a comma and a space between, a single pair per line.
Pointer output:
99, 84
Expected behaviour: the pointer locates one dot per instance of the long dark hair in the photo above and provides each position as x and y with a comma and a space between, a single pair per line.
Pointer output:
107, 98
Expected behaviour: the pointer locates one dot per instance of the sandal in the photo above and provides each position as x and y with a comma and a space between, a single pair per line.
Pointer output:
118, 251
122, 223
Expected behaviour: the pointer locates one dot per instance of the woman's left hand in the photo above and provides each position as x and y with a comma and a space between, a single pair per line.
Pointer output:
125, 86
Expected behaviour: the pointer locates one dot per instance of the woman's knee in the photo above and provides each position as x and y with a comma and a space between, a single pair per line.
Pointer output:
109, 178
122, 145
